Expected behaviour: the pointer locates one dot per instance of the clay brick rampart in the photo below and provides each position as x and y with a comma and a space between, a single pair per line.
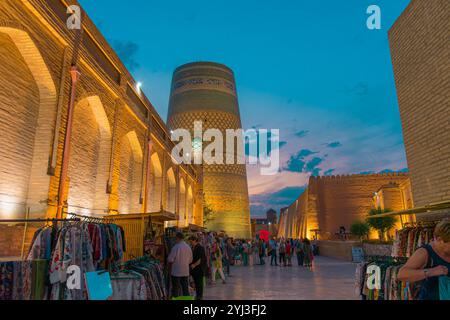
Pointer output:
420, 51
330, 202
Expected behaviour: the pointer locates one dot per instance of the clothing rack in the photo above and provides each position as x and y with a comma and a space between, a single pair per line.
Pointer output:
423, 224
37, 220
122, 267
137, 260
375, 258
54, 222
104, 219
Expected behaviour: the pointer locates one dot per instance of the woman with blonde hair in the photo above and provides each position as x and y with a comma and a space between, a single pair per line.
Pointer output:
430, 264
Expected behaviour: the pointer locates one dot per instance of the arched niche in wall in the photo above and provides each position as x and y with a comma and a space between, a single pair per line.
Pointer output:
156, 183
130, 174
89, 158
27, 111
171, 186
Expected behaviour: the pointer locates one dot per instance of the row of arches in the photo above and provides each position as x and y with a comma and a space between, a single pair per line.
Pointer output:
89, 167
28, 107
165, 191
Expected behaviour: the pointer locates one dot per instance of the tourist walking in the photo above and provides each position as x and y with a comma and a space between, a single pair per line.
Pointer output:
308, 254
282, 252
179, 259
255, 252
289, 253
229, 253
273, 247
217, 265
198, 266
300, 252
208, 252
262, 252
238, 253
246, 249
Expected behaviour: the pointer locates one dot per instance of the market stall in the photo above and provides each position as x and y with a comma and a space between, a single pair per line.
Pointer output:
411, 237
82, 257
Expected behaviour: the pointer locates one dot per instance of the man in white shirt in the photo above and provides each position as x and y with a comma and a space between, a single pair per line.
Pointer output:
180, 258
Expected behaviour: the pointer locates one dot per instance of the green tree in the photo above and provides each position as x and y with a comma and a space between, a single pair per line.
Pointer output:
208, 213
360, 229
383, 224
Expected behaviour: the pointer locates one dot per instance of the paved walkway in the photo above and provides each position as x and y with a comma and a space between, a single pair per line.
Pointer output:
330, 280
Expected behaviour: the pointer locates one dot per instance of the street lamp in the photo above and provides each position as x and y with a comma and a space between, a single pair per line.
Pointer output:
138, 87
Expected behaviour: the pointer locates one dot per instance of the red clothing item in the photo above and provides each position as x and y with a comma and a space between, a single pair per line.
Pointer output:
288, 248
94, 234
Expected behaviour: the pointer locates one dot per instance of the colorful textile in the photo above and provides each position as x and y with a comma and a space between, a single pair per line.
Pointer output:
408, 240
142, 279
39, 279
15, 280
391, 288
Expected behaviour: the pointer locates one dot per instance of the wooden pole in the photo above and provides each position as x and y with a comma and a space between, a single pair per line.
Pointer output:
25, 229
75, 75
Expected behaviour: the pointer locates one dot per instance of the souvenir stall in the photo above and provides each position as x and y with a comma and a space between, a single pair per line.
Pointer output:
145, 233
92, 244
26, 277
141, 274
139, 279
411, 237
391, 289
94, 249
407, 241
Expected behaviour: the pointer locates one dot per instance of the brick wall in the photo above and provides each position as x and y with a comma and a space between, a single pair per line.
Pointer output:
337, 249
19, 108
340, 201
334, 201
110, 131
11, 240
84, 165
419, 42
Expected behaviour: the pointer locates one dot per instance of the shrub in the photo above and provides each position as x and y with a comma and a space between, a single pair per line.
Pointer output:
383, 224
360, 229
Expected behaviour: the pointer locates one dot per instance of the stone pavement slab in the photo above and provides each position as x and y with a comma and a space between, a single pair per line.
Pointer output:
330, 280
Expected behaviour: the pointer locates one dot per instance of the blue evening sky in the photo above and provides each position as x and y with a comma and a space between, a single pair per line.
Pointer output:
309, 68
